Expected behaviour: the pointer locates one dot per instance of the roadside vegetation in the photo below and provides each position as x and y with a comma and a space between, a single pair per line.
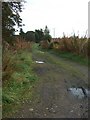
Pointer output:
18, 76
71, 57
72, 48
17, 64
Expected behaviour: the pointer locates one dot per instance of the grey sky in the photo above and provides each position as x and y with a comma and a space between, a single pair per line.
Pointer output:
66, 16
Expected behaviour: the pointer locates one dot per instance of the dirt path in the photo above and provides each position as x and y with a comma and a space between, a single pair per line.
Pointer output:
51, 98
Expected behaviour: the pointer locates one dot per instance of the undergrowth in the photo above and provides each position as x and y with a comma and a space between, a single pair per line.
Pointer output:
18, 79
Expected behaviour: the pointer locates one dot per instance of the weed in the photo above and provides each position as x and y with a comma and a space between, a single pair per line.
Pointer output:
73, 44
18, 78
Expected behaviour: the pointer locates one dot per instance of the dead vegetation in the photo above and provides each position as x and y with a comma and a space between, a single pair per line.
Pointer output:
9, 52
73, 44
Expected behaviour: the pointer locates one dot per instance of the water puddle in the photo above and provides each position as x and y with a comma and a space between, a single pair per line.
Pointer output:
79, 92
40, 62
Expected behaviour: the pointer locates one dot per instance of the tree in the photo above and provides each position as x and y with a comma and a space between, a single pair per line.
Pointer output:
30, 36
39, 35
22, 34
10, 18
46, 31
47, 36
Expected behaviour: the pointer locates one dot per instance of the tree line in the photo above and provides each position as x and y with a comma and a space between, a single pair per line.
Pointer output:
37, 35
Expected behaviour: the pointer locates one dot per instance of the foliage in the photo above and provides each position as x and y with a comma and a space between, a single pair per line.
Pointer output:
30, 36
8, 54
39, 35
72, 44
18, 77
47, 36
22, 34
10, 18
44, 44
22, 44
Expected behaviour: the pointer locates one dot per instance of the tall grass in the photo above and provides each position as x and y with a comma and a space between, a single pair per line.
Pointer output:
9, 52
22, 44
18, 76
73, 44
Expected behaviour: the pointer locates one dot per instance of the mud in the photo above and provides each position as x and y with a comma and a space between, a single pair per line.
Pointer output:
54, 95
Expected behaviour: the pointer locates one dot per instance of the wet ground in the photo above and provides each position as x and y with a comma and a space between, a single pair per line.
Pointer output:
61, 92
80, 92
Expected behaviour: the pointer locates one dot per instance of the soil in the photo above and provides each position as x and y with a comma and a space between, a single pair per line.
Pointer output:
51, 98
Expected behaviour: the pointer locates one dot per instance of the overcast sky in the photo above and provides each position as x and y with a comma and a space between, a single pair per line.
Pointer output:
66, 16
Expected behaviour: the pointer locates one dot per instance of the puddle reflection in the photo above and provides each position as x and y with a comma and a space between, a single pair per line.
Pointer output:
40, 62
79, 92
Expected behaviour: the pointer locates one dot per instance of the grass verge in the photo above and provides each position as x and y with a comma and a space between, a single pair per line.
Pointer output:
53, 57
17, 86
70, 56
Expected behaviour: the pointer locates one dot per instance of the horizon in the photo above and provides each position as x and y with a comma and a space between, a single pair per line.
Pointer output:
72, 20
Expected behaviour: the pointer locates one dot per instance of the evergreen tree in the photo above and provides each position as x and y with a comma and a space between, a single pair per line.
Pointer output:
10, 18
47, 36
22, 34
46, 31
39, 35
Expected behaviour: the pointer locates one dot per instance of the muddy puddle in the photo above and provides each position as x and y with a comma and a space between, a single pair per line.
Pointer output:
40, 62
79, 92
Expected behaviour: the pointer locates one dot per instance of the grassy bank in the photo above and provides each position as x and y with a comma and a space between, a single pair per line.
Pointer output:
18, 79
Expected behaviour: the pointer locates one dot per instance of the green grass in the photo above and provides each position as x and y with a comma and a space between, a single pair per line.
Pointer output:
66, 55
19, 84
71, 57
56, 58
